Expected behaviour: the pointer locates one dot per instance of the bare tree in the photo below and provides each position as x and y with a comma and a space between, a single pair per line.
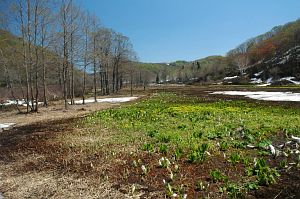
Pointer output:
86, 32
95, 27
65, 25
24, 54
121, 52
104, 43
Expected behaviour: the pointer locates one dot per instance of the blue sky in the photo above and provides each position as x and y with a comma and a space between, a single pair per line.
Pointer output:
170, 30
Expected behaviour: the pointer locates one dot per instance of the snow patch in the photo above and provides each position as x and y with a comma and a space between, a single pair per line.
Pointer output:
263, 95
21, 102
256, 80
109, 100
263, 85
6, 126
258, 74
290, 79
233, 77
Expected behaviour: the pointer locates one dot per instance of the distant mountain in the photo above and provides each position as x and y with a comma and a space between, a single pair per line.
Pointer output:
273, 55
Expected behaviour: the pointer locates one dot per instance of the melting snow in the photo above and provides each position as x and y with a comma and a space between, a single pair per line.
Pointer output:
6, 126
290, 79
20, 102
258, 74
233, 77
109, 100
263, 95
256, 81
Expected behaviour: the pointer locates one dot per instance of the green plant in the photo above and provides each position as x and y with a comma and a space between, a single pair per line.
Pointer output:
265, 175
163, 148
178, 191
178, 153
197, 134
152, 133
249, 171
182, 127
251, 186
217, 175
234, 191
164, 162
224, 146
245, 161
238, 144
282, 163
264, 143
148, 147
198, 154
234, 158
164, 138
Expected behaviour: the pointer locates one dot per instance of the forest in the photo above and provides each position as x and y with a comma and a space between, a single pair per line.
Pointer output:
51, 48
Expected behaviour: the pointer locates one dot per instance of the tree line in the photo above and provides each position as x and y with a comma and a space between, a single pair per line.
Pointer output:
58, 37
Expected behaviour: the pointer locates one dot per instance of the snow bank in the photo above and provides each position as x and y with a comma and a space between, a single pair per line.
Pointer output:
290, 79
263, 95
256, 80
109, 100
20, 102
6, 126
258, 74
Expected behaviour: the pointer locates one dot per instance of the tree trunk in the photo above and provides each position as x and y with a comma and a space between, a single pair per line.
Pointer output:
30, 52
24, 54
131, 84
36, 57
84, 83
8, 81
65, 60
72, 72
94, 64
45, 101
113, 78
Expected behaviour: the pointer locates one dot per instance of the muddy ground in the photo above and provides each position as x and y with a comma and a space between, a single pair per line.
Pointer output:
32, 165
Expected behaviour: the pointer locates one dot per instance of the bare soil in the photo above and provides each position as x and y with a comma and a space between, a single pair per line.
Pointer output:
33, 164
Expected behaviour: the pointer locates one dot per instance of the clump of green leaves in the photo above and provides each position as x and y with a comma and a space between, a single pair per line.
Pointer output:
148, 147
164, 162
265, 175
152, 133
178, 191
165, 138
163, 148
197, 134
251, 186
224, 145
282, 164
217, 175
198, 154
178, 153
234, 191
235, 158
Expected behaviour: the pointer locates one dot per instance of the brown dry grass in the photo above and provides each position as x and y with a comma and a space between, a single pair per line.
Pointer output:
47, 156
